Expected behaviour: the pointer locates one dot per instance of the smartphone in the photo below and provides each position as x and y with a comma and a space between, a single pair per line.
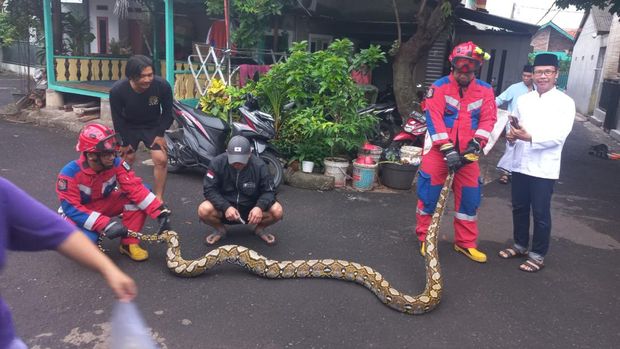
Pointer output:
514, 122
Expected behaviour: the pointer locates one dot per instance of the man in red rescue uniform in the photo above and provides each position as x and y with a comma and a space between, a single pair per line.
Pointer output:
460, 113
100, 185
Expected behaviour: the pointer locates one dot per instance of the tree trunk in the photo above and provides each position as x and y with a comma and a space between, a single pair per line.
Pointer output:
430, 23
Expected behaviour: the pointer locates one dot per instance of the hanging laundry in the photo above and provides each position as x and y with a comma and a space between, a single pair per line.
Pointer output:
247, 71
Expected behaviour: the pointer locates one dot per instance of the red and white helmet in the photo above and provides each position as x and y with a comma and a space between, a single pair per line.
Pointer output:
97, 138
467, 57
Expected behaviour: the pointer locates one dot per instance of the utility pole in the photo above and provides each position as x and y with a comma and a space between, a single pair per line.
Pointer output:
512, 13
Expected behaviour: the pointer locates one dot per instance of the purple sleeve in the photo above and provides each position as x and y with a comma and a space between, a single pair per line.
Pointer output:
31, 225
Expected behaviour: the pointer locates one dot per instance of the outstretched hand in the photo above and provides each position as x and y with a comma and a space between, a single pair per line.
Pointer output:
121, 284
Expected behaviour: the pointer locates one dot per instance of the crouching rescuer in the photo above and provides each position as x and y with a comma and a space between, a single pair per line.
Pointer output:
460, 112
99, 186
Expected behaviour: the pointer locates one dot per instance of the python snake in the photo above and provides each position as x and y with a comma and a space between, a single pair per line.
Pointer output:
321, 268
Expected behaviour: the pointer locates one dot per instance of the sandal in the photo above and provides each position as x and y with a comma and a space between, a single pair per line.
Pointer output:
212, 239
531, 266
504, 179
511, 252
269, 239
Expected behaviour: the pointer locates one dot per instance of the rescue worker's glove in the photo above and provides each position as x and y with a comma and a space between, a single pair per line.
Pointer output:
115, 230
452, 157
472, 152
164, 219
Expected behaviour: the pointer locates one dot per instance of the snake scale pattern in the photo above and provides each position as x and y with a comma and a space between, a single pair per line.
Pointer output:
320, 268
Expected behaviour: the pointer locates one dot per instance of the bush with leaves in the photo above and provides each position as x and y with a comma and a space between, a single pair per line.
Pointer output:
369, 58
78, 32
325, 121
216, 101
252, 18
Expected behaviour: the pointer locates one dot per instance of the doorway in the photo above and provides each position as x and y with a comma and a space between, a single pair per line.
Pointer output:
102, 34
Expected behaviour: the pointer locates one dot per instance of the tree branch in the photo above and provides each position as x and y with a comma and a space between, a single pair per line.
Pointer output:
422, 7
398, 28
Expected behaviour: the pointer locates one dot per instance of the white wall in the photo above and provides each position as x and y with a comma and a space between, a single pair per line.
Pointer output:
583, 66
112, 21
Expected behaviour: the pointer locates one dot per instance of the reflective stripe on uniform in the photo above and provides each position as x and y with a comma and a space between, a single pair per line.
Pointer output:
421, 213
465, 217
483, 133
475, 105
92, 218
452, 101
84, 189
147, 201
439, 136
131, 207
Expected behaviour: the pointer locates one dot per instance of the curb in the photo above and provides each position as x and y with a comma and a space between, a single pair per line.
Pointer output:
51, 118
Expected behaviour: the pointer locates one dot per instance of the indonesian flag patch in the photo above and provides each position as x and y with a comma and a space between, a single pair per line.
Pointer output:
210, 174
126, 166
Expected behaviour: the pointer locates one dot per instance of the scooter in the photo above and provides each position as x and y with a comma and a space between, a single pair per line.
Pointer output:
387, 124
413, 133
201, 137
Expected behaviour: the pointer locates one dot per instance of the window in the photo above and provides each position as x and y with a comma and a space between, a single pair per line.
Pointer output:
319, 42
285, 40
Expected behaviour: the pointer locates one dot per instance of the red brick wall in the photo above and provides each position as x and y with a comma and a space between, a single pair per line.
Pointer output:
559, 42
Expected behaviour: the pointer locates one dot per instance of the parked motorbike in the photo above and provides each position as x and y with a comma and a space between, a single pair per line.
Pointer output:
387, 125
201, 137
413, 134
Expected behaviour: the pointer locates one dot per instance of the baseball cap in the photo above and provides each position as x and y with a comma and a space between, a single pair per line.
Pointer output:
238, 150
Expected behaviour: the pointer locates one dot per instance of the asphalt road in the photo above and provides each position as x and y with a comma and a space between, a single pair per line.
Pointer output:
573, 302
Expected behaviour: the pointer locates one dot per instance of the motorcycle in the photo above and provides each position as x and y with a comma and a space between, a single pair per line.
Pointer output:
201, 137
386, 126
413, 134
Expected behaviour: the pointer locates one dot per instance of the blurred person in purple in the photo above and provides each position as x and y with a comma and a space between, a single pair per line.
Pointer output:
27, 225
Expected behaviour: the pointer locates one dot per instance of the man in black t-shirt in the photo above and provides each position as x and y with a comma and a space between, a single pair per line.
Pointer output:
141, 107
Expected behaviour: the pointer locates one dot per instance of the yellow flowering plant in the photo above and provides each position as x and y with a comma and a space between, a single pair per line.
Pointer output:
216, 101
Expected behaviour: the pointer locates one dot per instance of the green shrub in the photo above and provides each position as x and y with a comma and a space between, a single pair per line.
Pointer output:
324, 121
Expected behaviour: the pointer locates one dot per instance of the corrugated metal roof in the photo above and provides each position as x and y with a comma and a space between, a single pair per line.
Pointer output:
602, 18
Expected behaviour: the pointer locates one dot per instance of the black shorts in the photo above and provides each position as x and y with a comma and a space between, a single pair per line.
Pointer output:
133, 137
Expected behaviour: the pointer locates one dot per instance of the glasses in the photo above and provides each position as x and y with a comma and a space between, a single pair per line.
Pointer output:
544, 72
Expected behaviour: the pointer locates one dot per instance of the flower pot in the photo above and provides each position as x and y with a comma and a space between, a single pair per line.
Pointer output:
307, 166
337, 168
397, 176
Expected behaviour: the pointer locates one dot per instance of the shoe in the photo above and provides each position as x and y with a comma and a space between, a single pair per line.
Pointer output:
134, 251
422, 248
473, 253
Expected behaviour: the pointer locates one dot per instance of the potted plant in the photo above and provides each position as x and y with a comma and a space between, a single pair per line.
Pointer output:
308, 154
396, 173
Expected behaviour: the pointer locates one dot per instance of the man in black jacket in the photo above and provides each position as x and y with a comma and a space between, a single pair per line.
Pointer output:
141, 107
239, 189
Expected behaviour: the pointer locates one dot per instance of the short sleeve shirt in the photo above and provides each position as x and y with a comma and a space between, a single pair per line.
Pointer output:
25, 225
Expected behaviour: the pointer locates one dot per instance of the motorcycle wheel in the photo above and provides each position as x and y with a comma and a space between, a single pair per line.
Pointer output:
274, 165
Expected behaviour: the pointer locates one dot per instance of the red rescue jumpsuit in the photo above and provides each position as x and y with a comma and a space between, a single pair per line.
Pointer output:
452, 117
89, 199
